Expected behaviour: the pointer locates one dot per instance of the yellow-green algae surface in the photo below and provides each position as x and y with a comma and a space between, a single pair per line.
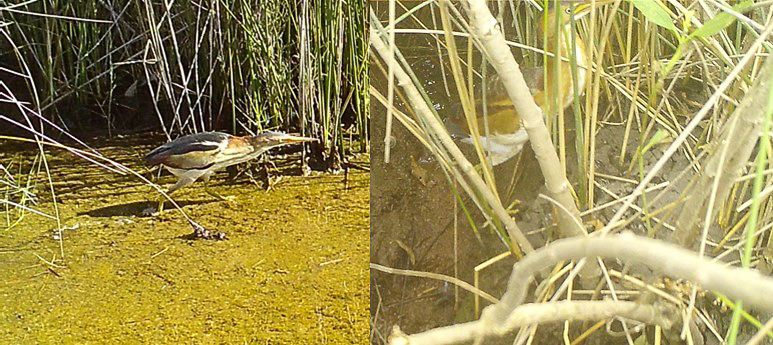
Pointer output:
294, 269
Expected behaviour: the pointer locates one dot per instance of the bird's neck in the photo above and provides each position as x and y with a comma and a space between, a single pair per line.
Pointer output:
559, 69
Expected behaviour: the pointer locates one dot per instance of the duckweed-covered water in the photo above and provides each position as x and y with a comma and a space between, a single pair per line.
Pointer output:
294, 269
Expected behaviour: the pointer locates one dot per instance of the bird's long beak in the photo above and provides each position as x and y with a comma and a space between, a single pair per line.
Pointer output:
284, 137
584, 8
296, 139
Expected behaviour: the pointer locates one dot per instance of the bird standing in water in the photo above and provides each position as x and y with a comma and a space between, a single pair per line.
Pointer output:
506, 136
199, 155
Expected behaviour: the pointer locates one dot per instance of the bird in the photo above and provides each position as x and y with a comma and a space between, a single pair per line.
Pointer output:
506, 136
198, 156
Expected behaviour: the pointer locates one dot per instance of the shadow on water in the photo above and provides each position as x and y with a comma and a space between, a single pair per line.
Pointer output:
137, 208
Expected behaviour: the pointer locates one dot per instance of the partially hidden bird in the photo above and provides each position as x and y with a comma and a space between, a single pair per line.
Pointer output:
198, 156
500, 131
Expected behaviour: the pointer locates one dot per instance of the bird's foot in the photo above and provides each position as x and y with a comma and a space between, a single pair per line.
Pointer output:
154, 211
229, 198
150, 212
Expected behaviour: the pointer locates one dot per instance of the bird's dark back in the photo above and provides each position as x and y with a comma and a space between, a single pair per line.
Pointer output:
205, 141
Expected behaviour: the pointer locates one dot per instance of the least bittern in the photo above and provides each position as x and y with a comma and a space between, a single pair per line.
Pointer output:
505, 135
199, 155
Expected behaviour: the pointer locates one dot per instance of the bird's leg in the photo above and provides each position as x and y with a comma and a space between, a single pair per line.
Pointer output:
211, 192
217, 195
182, 182
160, 207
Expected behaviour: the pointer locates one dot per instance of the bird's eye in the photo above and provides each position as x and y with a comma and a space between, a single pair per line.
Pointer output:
568, 10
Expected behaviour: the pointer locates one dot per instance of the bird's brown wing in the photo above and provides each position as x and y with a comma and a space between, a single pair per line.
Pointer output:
196, 151
192, 160
501, 118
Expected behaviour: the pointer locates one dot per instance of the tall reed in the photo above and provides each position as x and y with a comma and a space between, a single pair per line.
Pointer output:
240, 66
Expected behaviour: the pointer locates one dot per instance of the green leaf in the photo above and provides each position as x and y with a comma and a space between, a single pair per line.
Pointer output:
655, 13
721, 21
659, 137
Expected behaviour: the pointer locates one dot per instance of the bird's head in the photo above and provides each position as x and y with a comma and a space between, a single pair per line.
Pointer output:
562, 11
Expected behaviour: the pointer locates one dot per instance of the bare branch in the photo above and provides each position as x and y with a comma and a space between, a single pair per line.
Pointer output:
737, 283
754, 289
529, 314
